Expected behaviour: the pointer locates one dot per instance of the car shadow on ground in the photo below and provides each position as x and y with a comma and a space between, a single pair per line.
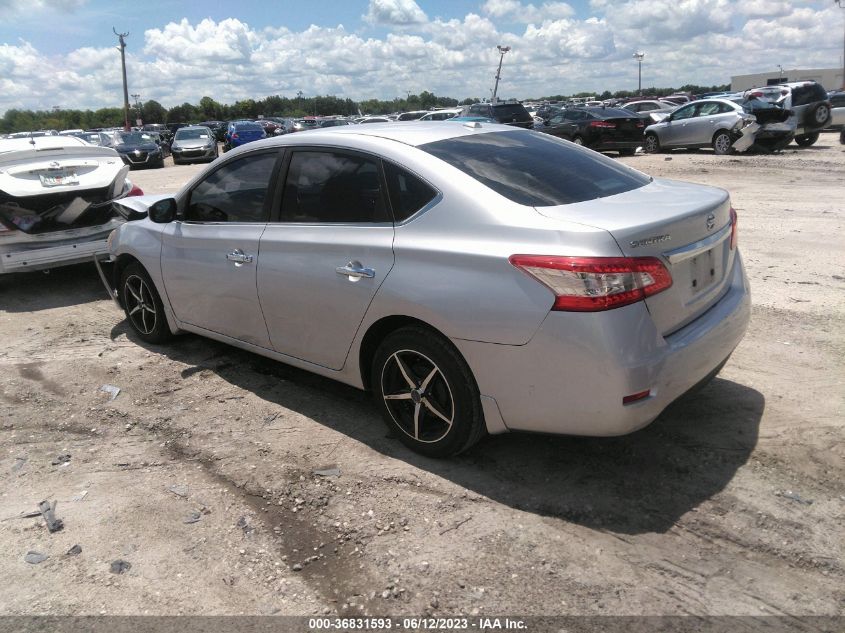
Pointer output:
59, 288
639, 483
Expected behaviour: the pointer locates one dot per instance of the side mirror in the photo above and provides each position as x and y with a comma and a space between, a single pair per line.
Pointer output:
163, 211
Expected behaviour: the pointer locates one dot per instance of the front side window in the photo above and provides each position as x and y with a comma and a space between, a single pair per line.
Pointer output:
331, 187
684, 113
237, 192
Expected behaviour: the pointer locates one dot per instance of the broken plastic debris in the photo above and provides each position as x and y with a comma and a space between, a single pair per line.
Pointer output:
33, 558
48, 512
80, 496
61, 459
193, 517
119, 566
178, 489
111, 390
788, 494
328, 471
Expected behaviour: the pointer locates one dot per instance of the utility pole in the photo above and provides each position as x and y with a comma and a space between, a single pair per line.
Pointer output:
122, 38
502, 51
841, 5
639, 57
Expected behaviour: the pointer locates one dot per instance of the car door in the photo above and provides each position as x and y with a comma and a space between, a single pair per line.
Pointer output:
557, 126
209, 257
676, 131
702, 126
325, 254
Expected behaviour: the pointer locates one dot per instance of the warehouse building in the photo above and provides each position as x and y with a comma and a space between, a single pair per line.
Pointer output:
830, 78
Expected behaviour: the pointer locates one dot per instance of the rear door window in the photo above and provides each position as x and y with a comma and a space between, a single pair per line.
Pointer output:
536, 169
333, 187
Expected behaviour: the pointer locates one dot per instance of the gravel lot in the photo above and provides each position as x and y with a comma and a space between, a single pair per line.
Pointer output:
200, 473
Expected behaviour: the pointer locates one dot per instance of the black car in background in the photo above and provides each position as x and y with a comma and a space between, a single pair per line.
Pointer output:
601, 129
141, 149
218, 127
507, 112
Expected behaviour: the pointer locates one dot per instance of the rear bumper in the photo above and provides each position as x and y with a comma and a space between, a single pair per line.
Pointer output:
571, 377
12, 261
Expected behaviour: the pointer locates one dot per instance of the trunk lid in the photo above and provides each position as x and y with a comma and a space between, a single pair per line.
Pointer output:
686, 226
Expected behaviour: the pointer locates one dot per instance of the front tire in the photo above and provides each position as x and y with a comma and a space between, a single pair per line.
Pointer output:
426, 393
806, 140
722, 143
651, 144
142, 305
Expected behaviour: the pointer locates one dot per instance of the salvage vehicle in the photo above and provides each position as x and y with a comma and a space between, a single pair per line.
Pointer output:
721, 124
507, 112
808, 103
477, 278
193, 143
56, 196
601, 129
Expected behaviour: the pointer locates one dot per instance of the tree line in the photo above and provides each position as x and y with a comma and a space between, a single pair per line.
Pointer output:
208, 109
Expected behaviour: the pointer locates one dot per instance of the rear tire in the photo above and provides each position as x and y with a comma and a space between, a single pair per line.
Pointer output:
818, 116
722, 143
628, 151
806, 140
426, 393
651, 144
142, 305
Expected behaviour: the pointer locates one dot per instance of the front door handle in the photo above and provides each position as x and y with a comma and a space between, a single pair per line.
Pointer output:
355, 269
239, 257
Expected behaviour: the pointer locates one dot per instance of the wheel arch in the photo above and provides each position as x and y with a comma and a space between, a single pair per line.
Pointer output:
377, 332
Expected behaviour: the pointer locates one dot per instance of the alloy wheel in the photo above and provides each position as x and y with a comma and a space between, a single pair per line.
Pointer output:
822, 113
722, 144
417, 396
140, 304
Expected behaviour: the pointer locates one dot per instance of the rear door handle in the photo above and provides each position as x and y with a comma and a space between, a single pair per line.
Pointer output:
239, 257
355, 269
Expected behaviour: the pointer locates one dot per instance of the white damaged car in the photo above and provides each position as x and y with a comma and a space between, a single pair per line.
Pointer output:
56, 195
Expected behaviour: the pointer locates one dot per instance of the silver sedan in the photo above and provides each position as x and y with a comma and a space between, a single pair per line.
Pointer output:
477, 278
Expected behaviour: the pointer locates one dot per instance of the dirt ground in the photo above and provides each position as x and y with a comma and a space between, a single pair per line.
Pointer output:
201, 472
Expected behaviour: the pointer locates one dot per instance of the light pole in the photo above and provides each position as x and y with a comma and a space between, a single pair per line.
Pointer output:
841, 5
639, 57
122, 38
502, 51
138, 108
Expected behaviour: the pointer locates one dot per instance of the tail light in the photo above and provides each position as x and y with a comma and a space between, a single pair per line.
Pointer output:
602, 124
135, 191
733, 228
234, 135
640, 123
593, 284
5, 229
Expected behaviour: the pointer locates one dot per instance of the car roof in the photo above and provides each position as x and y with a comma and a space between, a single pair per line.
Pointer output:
413, 133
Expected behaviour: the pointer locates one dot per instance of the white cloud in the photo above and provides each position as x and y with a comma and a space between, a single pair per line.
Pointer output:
395, 13
515, 11
686, 41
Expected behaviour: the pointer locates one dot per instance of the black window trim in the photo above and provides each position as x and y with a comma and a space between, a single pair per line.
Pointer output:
184, 202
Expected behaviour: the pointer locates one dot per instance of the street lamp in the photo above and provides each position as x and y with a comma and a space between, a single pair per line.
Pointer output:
841, 5
502, 51
780, 71
639, 57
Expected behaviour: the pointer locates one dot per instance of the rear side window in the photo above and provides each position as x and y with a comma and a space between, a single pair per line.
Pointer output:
511, 112
408, 194
802, 95
234, 193
325, 186
536, 169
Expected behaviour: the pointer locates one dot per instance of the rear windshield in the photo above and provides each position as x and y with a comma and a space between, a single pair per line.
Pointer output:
514, 111
536, 169
249, 126
802, 95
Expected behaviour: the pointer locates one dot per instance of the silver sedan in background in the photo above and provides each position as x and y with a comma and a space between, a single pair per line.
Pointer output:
475, 277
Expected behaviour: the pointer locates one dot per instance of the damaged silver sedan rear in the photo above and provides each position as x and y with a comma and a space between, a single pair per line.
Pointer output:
56, 195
